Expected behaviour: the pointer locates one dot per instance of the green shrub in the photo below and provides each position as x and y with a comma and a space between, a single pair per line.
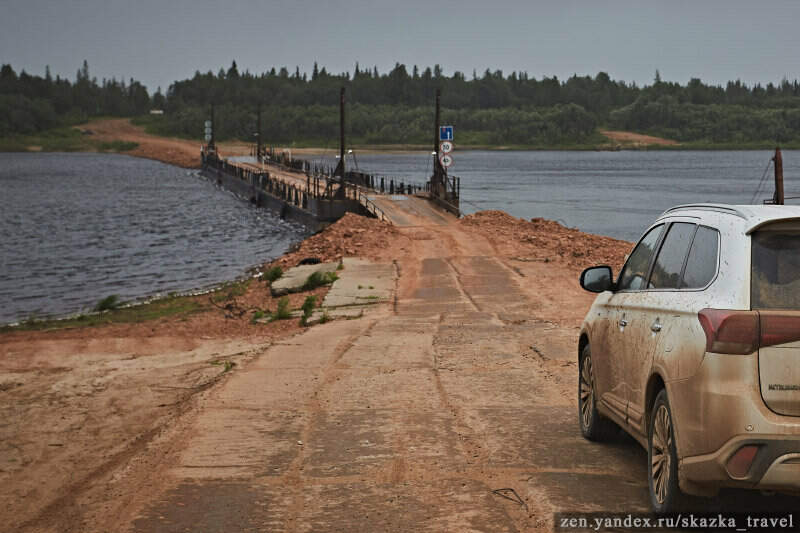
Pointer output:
308, 309
109, 303
283, 311
318, 279
273, 274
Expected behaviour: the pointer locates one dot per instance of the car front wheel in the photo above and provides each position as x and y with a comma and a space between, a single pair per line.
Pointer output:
665, 494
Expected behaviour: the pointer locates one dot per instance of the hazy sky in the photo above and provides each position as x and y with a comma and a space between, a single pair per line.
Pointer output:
158, 42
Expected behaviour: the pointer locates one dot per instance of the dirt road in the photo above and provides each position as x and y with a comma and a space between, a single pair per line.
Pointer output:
450, 409
405, 420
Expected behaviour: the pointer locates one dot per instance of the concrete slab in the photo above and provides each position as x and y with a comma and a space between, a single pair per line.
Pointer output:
348, 312
361, 282
294, 278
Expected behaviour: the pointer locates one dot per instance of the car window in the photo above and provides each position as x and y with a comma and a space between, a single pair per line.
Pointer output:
701, 267
634, 272
775, 277
669, 262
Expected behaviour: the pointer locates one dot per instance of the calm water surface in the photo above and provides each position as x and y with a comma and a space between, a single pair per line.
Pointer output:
77, 227
610, 193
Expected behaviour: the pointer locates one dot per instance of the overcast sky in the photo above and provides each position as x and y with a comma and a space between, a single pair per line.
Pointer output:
158, 42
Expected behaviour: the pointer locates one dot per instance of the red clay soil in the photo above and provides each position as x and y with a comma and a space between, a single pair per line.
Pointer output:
352, 235
546, 240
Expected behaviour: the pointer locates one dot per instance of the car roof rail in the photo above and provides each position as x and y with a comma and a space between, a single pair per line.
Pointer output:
720, 208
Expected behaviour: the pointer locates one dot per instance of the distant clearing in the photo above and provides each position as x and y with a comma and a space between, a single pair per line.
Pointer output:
637, 139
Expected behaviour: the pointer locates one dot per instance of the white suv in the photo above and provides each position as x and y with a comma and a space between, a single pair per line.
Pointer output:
695, 350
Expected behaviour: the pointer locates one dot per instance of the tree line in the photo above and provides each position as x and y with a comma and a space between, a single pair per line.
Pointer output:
396, 106
30, 104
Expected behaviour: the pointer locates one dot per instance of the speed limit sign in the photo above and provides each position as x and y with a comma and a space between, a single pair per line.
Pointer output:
446, 160
446, 147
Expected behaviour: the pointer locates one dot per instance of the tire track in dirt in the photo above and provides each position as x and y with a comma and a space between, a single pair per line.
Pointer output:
293, 476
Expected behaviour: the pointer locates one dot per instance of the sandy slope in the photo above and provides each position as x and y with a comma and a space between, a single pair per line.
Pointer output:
179, 152
628, 138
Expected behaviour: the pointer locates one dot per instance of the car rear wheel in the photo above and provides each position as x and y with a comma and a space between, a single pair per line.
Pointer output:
594, 426
665, 494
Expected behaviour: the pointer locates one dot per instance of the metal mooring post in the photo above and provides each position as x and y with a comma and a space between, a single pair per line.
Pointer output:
341, 131
436, 130
213, 143
258, 134
778, 160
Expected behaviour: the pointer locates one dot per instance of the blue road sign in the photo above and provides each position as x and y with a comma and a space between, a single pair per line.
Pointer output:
446, 133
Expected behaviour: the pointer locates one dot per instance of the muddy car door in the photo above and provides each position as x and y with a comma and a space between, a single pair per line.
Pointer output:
654, 311
611, 374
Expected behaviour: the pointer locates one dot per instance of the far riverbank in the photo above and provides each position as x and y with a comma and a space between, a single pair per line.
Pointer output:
120, 135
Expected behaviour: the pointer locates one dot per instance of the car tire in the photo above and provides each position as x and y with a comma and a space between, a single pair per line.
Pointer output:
662, 458
594, 426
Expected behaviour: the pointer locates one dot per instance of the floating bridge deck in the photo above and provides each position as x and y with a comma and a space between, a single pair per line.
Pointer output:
317, 199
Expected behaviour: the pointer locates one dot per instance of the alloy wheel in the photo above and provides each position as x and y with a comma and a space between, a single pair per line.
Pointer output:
661, 454
587, 392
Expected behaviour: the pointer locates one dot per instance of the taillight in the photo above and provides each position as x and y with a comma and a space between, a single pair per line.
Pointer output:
779, 327
744, 332
733, 332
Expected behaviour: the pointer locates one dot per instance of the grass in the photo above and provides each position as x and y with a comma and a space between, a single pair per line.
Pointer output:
231, 290
180, 306
118, 146
258, 315
308, 309
227, 365
63, 139
318, 279
109, 303
325, 317
273, 274
283, 311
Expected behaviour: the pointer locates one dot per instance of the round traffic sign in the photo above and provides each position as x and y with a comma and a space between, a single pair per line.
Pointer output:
446, 160
446, 147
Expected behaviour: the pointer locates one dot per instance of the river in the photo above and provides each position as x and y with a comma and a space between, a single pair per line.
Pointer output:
610, 193
78, 227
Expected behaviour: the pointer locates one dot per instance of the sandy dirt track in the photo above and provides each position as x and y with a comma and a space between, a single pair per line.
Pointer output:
180, 152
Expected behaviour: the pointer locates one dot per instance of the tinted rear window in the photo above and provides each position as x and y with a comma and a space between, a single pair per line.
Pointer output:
775, 280
701, 267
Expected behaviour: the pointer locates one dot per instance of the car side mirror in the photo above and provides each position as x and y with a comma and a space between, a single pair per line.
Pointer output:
597, 279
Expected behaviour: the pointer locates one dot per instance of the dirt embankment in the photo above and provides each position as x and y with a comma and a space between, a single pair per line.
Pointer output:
630, 139
180, 152
350, 236
544, 240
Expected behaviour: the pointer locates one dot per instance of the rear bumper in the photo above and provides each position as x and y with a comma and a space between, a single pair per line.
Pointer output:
776, 466
717, 412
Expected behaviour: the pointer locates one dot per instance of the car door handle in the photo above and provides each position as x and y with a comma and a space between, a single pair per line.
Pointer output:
656, 327
623, 323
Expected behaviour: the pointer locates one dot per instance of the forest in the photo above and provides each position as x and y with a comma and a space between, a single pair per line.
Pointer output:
396, 107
